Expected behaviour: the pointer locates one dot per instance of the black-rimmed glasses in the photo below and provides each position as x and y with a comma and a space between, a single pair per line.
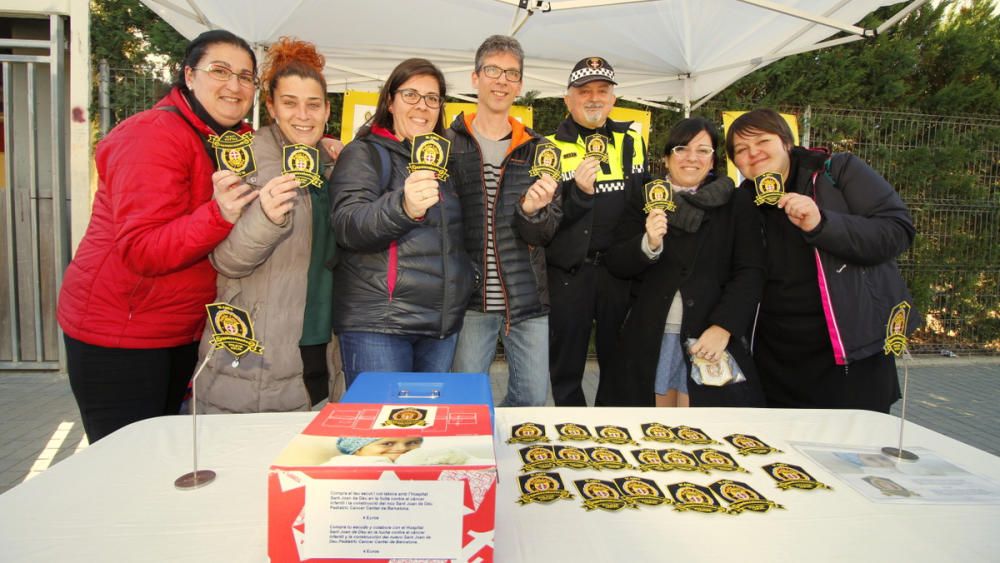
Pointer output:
512, 74
413, 97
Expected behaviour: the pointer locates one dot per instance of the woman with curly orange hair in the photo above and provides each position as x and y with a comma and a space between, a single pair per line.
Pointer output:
274, 263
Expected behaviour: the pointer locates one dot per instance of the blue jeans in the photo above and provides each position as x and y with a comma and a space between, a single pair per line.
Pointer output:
526, 347
373, 351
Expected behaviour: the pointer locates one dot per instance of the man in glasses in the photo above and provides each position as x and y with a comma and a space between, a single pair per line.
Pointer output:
509, 216
595, 184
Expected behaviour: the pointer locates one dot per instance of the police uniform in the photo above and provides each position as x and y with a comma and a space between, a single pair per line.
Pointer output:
581, 288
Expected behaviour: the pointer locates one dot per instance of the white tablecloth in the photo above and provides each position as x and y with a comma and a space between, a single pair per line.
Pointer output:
116, 501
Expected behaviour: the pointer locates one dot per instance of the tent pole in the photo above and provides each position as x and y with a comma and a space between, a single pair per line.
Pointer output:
259, 53
687, 96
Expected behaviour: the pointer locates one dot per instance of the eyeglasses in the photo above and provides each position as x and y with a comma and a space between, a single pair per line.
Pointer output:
222, 74
700, 152
492, 71
412, 97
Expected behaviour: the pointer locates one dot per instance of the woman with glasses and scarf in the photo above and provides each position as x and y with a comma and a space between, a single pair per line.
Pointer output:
132, 303
403, 279
697, 276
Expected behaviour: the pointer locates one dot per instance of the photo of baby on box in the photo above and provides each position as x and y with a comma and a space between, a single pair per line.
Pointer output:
403, 450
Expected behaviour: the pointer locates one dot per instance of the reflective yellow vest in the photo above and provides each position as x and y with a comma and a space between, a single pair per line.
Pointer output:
614, 179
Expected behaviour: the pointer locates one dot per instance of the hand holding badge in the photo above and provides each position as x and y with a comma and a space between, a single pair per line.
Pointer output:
597, 147
302, 161
430, 152
769, 188
233, 152
547, 158
659, 195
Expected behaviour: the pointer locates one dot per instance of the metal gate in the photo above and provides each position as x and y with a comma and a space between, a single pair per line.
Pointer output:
34, 216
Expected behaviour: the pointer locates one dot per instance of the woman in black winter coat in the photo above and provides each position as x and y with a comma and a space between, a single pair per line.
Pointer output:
697, 274
832, 288
403, 277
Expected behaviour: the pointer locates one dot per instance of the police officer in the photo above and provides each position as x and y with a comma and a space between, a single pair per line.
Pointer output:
594, 192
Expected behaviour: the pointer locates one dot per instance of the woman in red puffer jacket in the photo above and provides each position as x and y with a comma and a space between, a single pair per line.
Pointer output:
132, 300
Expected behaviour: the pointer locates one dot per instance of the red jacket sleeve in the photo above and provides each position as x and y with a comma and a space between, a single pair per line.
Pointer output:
159, 180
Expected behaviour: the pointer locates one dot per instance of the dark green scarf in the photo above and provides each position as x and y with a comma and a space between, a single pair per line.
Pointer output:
317, 323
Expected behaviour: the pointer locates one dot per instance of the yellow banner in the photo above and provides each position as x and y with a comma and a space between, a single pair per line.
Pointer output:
359, 107
728, 117
640, 120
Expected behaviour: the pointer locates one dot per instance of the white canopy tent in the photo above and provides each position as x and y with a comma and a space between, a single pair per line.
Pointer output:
675, 51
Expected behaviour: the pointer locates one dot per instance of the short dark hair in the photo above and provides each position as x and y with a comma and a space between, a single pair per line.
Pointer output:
686, 129
763, 120
196, 51
399, 75
499, 44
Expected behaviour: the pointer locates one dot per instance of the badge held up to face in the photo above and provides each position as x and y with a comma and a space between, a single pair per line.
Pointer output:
233, 152
430, 152
597, 147
546, 161
659, 195
232, 330
302, 161
769, 188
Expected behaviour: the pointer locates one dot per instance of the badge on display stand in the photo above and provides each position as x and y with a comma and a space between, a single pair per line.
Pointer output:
618, 435
607, 458
656, 432
691, 436
769, 188
573, 432
895, 329
527, 433
537, 458
232, 330
649, 460
642, 491
430, 152
302, 161
710, 458
233, 152
790, 476
547, 157
896, 344
659, 195
688, 496
746, 444
601, 494
741, 496
597, 147
541, 488
572, 457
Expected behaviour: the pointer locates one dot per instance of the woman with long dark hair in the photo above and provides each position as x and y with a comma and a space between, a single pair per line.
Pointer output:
403, 279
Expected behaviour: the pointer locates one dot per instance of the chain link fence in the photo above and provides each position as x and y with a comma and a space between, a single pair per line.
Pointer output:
946, 168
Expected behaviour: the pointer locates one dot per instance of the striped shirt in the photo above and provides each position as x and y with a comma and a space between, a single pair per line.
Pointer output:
493, 155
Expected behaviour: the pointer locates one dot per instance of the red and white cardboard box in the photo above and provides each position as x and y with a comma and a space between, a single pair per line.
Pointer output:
372, 482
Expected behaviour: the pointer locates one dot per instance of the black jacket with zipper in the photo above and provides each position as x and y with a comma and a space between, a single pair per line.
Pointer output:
518, 240
395, 275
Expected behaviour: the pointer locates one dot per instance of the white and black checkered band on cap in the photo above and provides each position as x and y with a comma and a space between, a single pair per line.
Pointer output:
589, 70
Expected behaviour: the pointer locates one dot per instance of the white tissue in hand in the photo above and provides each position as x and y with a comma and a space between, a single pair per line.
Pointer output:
431, 456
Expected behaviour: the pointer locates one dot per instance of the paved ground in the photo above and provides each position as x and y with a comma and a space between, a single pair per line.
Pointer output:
40, 425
